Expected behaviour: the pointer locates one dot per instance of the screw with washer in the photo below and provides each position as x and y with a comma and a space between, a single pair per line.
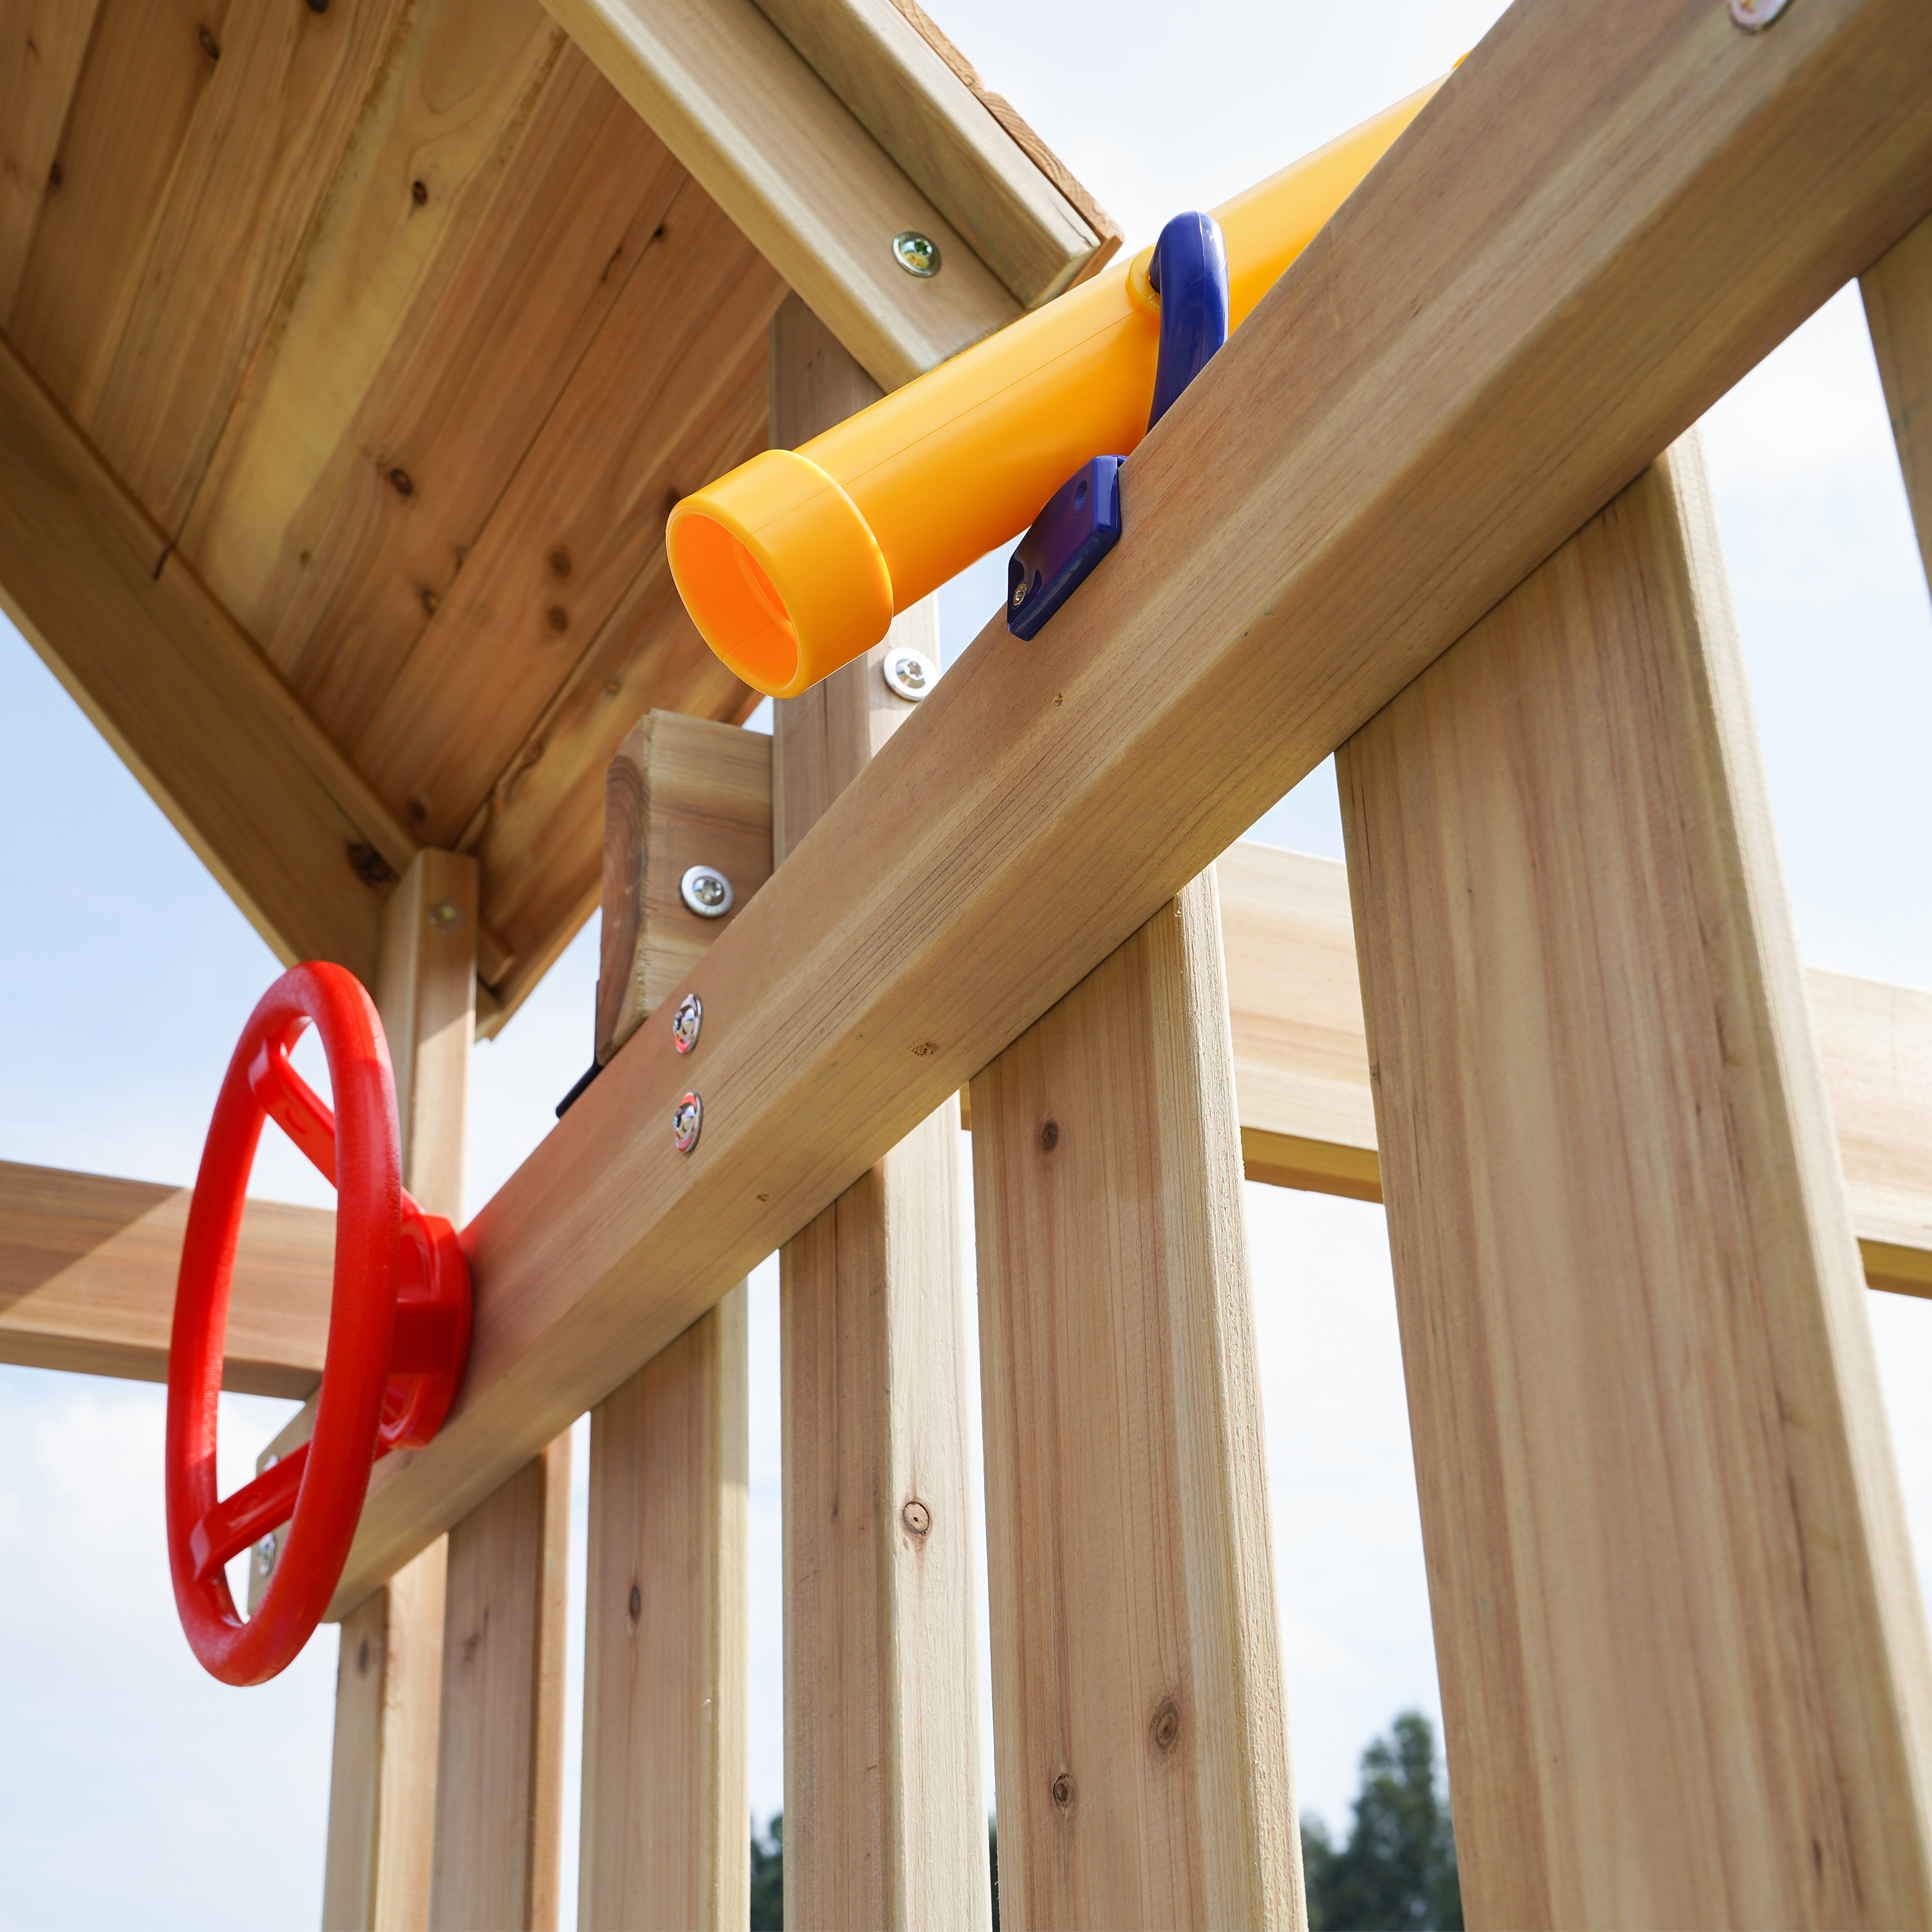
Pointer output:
686, 1022
918, 254
687, 1119
445, 915
706, 891
909, 673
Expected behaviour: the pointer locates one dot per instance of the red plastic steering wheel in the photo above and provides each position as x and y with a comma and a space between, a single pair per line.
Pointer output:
398, 1326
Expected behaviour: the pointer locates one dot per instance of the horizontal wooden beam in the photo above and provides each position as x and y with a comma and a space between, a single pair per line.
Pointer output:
87, 1281
813, 193
1301, 1061
1599, 224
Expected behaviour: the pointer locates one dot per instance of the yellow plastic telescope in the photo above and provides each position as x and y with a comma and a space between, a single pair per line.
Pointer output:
794, 562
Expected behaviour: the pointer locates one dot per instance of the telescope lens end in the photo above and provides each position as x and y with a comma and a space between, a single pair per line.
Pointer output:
780, 573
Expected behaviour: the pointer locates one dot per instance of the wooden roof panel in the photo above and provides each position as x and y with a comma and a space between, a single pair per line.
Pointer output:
402, 330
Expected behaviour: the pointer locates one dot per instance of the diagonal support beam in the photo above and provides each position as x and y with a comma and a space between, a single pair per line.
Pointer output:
1598, 225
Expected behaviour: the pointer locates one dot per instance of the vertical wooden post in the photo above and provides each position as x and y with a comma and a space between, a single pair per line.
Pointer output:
383, 1780
1139, 1729
498, 1781
667, 1646
1684, 1665
885, 1820
1897, 291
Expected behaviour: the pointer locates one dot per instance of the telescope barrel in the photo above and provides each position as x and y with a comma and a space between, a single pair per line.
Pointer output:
795, 563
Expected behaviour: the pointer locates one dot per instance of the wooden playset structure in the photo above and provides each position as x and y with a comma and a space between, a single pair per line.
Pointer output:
354, 352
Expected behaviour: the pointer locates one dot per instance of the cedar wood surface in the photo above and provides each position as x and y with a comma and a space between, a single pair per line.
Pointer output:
1897, 291
1139, 1726
1593, 230
1684, 1660
884, 1809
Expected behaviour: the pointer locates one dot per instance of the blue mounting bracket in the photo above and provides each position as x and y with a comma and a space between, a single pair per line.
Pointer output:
1082, 521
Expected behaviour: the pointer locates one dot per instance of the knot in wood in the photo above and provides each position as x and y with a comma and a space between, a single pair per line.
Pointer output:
1063, 1791
1165, 1727
1049, 1136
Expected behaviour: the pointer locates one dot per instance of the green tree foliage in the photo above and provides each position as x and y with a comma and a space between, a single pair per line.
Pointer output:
1397, 1872
768, 1877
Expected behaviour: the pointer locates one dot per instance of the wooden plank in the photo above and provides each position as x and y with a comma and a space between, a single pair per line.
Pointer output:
381, 1797
1003, 192
145, 72
1898, 293
1139, 1726
1343, 491
815, 195
884, 1808
450, 107
499, 1786
42, 44
666, 1644
87, 1281
285, 88
1685, 1672
375, 1870
681, 792
296, 836
654, 392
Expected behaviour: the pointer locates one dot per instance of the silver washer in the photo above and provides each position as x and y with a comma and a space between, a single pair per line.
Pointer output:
687, 1120
706, 891
686, 1022
918, 254
909, 673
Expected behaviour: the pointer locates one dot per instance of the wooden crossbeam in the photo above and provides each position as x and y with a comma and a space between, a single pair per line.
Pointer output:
817, 196
1594, 228
87, 1281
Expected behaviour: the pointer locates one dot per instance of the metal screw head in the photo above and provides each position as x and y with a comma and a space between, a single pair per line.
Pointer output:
706, 891
918, 254
908, 673
685, 1021
445, 915
687, 1119
1754, 16
264, 1557
1019, 593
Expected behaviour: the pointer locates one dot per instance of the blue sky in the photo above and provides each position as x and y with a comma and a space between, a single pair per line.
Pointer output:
135, 1790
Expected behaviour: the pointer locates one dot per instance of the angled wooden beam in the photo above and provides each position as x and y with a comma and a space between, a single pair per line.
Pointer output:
87, 1281
771, 144
1684, 1662
1620, 214
1897, 293
299, 840
980, 165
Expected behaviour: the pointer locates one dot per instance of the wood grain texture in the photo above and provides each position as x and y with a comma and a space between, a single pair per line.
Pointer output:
87, 1281
498, 1782
426, 992
1139, 1728
884, 1810
803, 181
42, 44
382, 1792
1612, 221
680, 792
1685, 1673
459, 88
946, 139
267, 802
1898, 293
667, 1641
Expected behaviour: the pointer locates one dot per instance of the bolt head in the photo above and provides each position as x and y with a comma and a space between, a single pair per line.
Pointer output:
918, 254
264, 1557
687, 1119
445, 915
908, 673
1019, 594
686, 1022
706, 891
